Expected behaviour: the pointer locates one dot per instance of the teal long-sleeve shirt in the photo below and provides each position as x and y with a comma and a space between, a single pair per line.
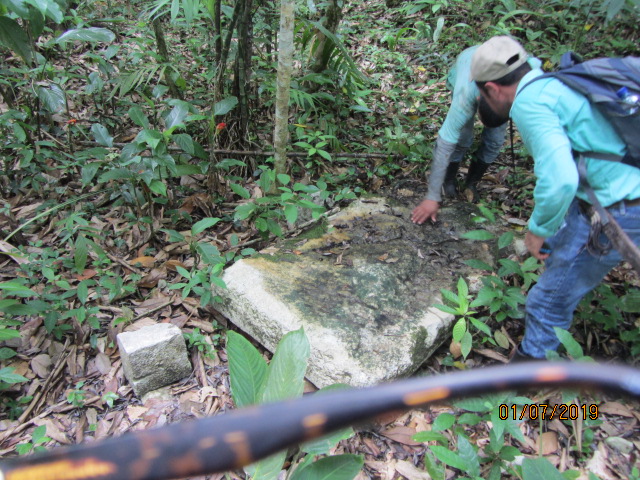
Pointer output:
464, 102
553, 119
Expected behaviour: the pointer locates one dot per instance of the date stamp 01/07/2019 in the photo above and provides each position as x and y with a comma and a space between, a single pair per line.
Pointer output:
544, 411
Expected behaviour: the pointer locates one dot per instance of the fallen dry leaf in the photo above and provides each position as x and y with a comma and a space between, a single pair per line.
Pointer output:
410, 471
401, 435
548, 443
41, 365
615, 408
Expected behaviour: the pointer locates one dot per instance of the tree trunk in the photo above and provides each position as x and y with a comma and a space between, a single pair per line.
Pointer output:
323, 46
217, 31
285, 65
222, 64
164, 53
243, 67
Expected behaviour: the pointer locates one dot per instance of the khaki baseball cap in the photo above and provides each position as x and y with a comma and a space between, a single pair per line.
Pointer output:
495, 58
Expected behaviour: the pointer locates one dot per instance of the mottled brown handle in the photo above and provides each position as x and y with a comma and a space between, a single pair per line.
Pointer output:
232, 440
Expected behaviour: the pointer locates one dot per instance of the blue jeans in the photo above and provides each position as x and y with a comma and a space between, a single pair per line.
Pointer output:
491, 142
570, 273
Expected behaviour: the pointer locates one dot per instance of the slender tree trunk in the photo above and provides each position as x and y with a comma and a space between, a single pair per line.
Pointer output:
285, 65
222, 65
243, 66
324, 46
163, 51
217, 30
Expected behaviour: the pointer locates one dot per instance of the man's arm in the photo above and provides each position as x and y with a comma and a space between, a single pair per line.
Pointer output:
429, 207
555, 169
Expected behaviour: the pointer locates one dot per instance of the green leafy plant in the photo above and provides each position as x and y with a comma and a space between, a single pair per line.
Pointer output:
495, 456
38, 439
254, 381
269, 212
77, 396
201, 342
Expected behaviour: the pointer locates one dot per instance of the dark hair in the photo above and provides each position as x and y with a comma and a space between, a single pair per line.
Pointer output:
488, 117
510, 78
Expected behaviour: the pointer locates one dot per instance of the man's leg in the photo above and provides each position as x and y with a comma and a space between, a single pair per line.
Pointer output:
491, 143
570, 273
466, 139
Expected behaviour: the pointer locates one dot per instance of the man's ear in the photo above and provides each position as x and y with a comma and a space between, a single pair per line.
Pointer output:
491, 89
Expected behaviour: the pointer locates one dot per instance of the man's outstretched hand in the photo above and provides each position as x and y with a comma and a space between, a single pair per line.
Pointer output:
428, 209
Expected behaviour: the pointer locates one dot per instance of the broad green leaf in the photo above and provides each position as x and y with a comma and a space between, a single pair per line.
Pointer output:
539, 469
49, 9
185, 142
15, 38
7, 376
434, 469
101, 135
138, 117
80, 254
285, 376
225, 106
19, 7
478, 235
430, 436
446, 309
240, 190
158, 187
82, 292
630, 302
7, 353
324, 154
474, 404
283, 178
150, 137
88, 172
89, 34
209, 252
448, 457
463, 289
7, 334
247, 370
469, 455
203, 224
466, 344
115, 174
450, 296
570, 344
177, 115
52, 98
480, 325
479, 264
469, 419
227, 163
16, 288
244, 211
443, 421
267, 469
459, 329
337, 467
274, 227
291, 213
505, 240
174, 236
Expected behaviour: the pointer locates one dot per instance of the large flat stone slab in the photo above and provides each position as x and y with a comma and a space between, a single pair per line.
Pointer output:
364, 290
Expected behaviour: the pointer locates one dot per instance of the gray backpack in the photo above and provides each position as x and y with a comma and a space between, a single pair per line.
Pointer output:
600, 80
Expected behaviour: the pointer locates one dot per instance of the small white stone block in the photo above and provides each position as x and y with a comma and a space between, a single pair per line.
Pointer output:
153, 357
